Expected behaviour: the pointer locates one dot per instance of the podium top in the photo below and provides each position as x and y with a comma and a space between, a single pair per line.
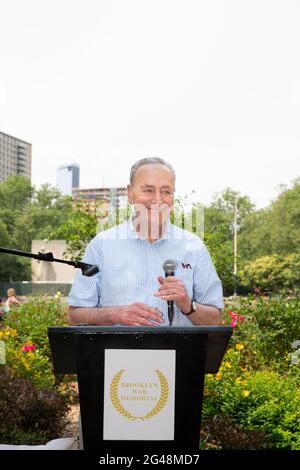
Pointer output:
63, 353
82, 328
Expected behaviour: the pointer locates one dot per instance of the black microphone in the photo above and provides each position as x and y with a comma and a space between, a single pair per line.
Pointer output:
169, 266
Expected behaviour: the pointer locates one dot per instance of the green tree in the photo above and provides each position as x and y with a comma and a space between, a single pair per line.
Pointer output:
219, 231
15, 195
79, 228
27, 214
48, 210
225, 203
276, 229
284, 223
254, 239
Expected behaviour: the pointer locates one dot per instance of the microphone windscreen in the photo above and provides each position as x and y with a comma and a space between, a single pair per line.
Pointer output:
169, 266
90, 270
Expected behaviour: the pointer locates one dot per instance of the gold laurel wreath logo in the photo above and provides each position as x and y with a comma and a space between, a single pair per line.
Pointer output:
114, 396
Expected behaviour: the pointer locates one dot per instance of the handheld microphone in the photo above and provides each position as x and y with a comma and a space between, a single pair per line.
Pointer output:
169, 266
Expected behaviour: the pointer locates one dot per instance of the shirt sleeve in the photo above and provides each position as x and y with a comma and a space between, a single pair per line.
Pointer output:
86, 291
207, 285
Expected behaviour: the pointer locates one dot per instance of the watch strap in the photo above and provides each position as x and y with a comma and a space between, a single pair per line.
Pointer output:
192, 310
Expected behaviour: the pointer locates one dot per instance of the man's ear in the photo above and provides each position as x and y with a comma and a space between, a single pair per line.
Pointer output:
130, 194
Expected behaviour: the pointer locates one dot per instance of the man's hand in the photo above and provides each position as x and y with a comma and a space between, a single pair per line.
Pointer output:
136, 314
173, 288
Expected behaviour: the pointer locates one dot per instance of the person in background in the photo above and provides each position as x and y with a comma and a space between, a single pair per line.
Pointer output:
11, 298
3, 309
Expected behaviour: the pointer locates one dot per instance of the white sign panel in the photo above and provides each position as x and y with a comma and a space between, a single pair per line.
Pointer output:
139, 394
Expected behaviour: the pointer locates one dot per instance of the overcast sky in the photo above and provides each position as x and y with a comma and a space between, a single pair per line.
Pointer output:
212, 86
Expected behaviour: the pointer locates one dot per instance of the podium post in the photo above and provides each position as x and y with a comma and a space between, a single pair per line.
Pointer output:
140, 389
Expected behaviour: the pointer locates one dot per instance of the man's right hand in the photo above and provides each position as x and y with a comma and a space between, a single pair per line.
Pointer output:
136, 314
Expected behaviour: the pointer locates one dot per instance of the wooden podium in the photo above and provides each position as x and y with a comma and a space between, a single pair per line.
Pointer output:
172, 418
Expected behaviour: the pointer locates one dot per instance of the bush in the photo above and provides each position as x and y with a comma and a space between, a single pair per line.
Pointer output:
261, 401
270, 325
257, 386
274, 405
29, 415
32, 318
272, 273
222, 433
25, 332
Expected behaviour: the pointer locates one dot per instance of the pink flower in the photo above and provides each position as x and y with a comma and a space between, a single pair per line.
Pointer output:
28, 347
233, 315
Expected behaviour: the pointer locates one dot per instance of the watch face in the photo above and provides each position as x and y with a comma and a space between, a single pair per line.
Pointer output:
194, 305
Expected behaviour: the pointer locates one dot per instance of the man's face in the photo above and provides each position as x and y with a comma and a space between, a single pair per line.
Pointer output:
152, 192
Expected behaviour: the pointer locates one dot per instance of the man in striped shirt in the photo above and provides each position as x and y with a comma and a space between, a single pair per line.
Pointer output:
130, 288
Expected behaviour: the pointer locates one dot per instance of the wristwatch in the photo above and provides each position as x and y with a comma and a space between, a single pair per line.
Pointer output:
193, 308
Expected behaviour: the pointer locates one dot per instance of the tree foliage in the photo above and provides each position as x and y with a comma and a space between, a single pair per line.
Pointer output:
79, 228
268, 239
275, 229
219, 231
272, 273
27, 214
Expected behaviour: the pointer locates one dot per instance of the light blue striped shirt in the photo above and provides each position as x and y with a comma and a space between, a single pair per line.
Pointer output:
129, 266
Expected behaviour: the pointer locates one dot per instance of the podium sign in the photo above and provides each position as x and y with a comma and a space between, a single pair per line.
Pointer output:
139, 388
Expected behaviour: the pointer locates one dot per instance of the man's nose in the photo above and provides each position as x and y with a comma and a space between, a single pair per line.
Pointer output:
156, 197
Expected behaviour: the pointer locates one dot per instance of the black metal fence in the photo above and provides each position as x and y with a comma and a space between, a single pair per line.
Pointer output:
35, 288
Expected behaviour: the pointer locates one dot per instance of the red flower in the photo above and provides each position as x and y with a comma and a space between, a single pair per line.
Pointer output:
28, 347
235, 318
233, 315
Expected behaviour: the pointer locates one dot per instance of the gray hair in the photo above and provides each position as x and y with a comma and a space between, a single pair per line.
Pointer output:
150, 161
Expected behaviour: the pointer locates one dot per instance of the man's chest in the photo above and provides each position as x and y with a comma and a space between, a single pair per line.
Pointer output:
125, 269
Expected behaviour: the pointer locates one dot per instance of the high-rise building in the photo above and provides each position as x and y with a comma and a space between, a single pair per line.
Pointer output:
15, 157
68, 178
